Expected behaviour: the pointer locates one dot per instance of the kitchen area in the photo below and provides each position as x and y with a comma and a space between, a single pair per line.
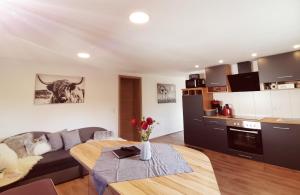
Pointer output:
250, 110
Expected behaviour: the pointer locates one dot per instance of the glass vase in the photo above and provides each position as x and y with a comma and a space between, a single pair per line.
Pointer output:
145, 150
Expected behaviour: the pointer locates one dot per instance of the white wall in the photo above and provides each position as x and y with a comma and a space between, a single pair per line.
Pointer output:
168, 115
279, 103
19, 114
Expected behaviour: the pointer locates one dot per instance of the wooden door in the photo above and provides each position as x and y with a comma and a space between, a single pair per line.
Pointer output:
130, 106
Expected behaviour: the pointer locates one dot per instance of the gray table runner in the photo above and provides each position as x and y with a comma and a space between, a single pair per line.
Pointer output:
165, 161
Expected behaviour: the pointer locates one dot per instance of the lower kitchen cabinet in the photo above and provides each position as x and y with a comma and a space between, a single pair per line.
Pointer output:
216, 135
194, 133
281, 144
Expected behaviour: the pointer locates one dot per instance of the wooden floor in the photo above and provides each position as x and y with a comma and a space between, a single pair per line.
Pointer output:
235, 175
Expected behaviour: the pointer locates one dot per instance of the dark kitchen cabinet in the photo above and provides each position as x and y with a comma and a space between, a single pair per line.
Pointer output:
216, 134
281, 67
216, 76
281, 144
193, 120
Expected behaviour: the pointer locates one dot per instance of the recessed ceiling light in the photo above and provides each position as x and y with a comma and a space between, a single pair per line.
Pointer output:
83, 55
197, 66
296, 46
221, 61
139, 17
254, 54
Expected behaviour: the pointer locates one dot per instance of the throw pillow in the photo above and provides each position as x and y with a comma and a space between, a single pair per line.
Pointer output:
17, 143
38, 146
55, 140
71, 138
8, 158
102, 135
41, 148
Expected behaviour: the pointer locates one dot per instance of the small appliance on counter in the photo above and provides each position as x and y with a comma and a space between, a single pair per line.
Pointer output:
215, 104
194, 81
227, 111
211, 112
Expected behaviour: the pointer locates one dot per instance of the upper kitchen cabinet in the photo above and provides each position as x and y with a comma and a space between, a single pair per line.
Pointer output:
281, 67
216, 76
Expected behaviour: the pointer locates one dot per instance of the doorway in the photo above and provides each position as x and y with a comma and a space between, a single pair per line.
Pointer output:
130, 106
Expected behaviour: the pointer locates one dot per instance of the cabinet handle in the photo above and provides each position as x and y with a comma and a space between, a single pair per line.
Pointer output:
213, 122
243, 131
246, 156
282, 128
283, 77
214, 83
221, 129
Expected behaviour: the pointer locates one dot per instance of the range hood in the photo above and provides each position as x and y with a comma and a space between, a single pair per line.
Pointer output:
246, 80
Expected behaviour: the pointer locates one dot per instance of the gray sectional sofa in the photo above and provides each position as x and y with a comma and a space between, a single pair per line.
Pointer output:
59, 165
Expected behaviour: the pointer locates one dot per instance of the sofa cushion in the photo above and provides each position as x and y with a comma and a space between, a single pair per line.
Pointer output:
51, 162
55, 140
17, 143
38, 146
70, 138
102, 135
88, 133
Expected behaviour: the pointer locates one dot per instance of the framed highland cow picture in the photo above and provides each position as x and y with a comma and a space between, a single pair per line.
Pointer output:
166, 93
54, 89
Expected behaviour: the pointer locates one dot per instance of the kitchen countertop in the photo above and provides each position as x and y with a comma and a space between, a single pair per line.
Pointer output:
219, 117
295, 121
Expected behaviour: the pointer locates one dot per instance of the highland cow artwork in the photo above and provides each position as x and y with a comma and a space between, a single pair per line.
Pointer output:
53, 89
166, 93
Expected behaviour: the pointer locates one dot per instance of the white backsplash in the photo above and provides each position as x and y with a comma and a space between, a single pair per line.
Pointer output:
280, 103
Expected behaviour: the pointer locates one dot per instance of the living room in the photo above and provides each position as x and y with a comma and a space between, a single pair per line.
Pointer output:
67, 80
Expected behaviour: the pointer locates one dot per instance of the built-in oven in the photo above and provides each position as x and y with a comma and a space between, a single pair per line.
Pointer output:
244, 138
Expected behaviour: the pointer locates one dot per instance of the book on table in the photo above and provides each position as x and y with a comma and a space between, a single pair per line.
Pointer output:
125, 152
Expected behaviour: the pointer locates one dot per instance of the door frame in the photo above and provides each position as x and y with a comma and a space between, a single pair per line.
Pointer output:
139, 79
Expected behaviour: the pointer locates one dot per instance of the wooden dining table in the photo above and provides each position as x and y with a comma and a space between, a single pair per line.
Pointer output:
201, 181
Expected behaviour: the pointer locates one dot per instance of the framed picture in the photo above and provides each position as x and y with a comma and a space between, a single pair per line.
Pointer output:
54, 89
166, 93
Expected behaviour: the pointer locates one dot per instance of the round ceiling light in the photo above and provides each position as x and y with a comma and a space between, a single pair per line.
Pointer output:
254, 54
296, 46
221, 61
139, 17
84, 55
197, 66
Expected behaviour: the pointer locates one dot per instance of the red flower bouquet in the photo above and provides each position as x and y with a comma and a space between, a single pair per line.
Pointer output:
145, 127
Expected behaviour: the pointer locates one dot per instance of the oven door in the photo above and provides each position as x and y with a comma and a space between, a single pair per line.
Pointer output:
245, 140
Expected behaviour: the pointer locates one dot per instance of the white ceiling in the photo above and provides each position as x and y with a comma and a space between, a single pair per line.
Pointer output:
180, 34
